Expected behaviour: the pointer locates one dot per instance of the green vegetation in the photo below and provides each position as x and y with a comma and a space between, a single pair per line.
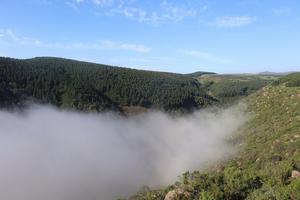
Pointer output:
269, 145
227, 88
291, 80
94, 87
199, 73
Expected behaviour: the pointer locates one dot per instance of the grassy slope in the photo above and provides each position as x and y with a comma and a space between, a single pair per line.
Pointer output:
227, 88
271, 142
269, 150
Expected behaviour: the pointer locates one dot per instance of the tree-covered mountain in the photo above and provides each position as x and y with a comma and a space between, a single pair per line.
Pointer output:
267, 165
95, 87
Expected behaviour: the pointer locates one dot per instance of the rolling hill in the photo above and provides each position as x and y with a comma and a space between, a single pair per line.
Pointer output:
230, 87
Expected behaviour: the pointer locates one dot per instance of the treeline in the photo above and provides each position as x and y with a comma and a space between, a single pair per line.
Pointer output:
95, 87
199, 73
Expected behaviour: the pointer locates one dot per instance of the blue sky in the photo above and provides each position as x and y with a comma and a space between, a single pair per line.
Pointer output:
167, 35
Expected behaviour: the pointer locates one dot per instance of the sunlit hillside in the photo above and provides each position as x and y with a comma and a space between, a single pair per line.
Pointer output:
267, 165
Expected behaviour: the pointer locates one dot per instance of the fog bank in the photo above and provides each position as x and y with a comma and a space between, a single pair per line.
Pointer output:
48, 154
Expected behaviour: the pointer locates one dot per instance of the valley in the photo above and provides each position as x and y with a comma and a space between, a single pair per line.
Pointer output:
266, 164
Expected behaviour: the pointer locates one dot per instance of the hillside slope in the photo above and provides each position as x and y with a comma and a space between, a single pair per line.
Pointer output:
94, 87
268, 163
230, 87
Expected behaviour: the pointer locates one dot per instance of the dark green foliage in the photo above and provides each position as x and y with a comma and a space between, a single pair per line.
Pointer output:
199, 73
88, 86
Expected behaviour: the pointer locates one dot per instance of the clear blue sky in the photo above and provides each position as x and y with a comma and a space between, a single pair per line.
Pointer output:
167, 35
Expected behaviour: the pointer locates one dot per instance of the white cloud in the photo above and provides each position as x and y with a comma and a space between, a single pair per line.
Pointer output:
153, 13
156, 14
8, 33
125, 46
282, 11
134, 13
167, 14
205, 56
102, 2
233, 21
8, 36
176, 13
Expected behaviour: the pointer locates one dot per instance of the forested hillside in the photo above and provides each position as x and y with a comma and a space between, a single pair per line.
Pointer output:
267, 165
199, 73
94, 87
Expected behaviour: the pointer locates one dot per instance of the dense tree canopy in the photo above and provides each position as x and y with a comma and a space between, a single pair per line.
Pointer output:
88, 86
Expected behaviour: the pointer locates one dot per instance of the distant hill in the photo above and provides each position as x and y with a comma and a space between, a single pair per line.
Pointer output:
199, 73
267, 73
267, 165
95, 87
230, 87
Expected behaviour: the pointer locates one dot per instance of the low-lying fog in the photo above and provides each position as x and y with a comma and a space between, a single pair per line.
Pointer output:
49, 154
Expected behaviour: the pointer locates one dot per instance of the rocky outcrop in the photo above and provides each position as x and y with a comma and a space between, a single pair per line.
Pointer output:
295, 174
177, 194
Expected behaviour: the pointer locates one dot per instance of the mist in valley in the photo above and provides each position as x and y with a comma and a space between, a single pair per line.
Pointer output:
52, 154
